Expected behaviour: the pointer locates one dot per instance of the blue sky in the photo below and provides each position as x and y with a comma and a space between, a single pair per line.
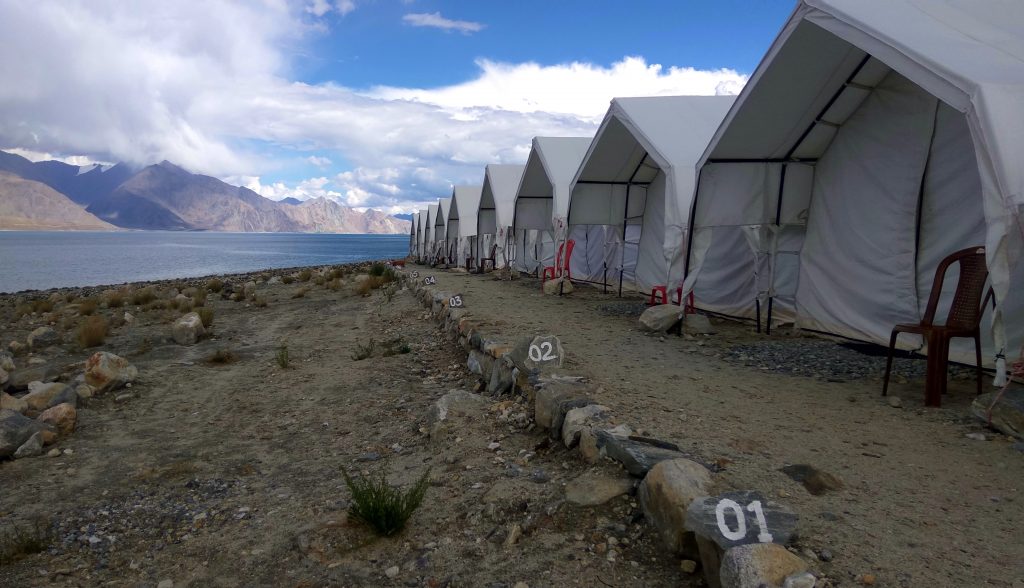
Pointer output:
374, 103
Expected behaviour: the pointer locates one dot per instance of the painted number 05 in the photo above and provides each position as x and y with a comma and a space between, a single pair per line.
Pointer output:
543, 352
455, 301
755, 507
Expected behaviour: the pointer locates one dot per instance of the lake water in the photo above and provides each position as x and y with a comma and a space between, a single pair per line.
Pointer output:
33, 260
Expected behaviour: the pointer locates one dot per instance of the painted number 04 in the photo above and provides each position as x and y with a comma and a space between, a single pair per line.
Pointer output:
543, 352
741, 521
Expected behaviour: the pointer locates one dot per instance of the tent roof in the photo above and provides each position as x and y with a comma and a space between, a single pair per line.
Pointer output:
415, 224
465, 202
672, 130
499, 190
550, 169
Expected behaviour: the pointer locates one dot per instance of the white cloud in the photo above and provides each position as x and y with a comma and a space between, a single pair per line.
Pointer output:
97, 79
435, 20
318, 161
318, 7
79, 160
345, 6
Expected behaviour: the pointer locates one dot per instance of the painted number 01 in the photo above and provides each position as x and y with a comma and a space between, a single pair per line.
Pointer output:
755, 507
543, 352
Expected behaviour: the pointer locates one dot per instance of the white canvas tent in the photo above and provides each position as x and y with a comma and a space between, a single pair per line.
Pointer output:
497, 206
429, 246
462, 220
421, 236
630, 200
413, 232
444, 206
542, 199
875, 138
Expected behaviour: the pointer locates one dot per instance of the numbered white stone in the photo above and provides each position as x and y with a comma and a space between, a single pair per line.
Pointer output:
544, 351
740, 518
415, 274
456, 301
429, 280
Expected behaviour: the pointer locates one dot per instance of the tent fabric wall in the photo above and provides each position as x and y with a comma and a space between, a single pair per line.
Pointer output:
421, 234
839, 85
413, 226
464, 211
497, 208
430, 231
639, 175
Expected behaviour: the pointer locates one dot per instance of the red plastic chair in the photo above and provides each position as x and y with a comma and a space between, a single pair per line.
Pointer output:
660, 292
550, 270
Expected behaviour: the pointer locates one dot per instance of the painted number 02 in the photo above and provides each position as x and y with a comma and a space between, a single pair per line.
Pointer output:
741, 521
455, 301
542, 352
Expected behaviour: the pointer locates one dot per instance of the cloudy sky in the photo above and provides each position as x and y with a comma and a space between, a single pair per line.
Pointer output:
376, 103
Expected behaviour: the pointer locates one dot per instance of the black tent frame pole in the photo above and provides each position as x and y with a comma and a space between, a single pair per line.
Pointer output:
625, 217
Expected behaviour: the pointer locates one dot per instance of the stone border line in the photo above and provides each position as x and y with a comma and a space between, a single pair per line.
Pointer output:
739, 538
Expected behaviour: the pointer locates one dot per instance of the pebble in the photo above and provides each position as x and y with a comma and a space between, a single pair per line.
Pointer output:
867, 579
825, 555
53, 452
165, 584
894, 401
69, 452
688, 566
976, 436
391, 572
494, 446
521, 585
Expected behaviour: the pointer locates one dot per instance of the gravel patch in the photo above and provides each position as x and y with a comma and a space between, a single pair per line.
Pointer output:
623, 308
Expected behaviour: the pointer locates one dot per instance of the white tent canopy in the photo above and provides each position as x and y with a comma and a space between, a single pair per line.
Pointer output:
413, 232
542, 199
875, 138
462, 218
421, 233
444, 207
429, 231
630, 200
497, 204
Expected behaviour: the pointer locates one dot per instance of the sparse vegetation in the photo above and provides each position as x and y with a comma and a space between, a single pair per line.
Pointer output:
143, 296
222, 356
301, 292
336, 273
383, 507
205, 315
157, 305
260, 302
362, 352
18, 541
288, 279
304, 275
215, 285
42, 305
282, 355
396, 346
87, 306
23, 309
334, 284
319, 280
145, 346
377, 269
115, 299
92, 332
199, 297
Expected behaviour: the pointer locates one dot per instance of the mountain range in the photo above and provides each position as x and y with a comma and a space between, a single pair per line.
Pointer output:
51, 195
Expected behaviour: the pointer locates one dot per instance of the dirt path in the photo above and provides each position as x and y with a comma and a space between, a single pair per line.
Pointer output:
923, 505
230, 475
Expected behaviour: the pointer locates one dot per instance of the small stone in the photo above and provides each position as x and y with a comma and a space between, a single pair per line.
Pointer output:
976, 436
493, 446
30, 448
867, 579
894, 401
53, 452
595, 489
392, 571
825, 555
11, 403
165, 584
370, 456
69, 452
123, 398
688, 566
801, 580
62, 416
759, 564
514, 533
521, 585
43, 337
816, 481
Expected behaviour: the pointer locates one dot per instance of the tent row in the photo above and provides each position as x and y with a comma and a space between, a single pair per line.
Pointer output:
875, 138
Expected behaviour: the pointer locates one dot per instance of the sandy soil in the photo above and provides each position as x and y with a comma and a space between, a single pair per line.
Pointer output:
230, 475
922, 505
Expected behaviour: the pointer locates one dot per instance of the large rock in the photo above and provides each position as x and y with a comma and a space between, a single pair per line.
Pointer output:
502, 378
758, 565
20, 379
538, 353
661, 318
816, 481
62, 417
17, 347
592, 489
40, 394
30, 448
717, 518
15, 429
188, 329
666, 493
558, 286
249, 290
1007, 414
11, 403
480, 364
43, 337
697, 324
638, 455
553, 401
66, 396
105, 372
578, 419
591, 449
451, 410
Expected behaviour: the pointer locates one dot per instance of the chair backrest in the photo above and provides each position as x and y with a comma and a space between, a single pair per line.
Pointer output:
966, 309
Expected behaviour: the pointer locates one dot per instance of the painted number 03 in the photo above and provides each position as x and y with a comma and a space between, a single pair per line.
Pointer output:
455, 301
741, 521
542, 352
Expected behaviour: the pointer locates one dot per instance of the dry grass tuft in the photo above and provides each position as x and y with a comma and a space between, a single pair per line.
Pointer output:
205, 315
115, 299
19, 541
215, 285
288, 279
304, 275
143, 296
92, 332
222, 356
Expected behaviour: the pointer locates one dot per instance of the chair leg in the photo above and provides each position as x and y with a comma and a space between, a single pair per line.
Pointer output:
888, 363
977, 354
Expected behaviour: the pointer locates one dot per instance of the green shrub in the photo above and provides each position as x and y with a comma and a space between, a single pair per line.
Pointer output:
377, 269
382, 507
282, 355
